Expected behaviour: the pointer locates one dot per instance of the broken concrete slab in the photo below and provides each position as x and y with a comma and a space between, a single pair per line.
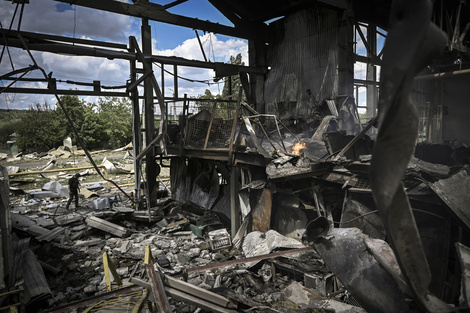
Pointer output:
106, 226
68, 219
43, 194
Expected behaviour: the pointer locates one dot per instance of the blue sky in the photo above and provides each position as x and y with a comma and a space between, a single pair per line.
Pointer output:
51, 17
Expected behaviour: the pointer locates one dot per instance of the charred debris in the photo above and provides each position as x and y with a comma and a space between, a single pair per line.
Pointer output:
279, 201
309, 238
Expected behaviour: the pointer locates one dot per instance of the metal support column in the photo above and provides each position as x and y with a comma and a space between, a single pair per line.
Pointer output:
175, 81
371, 75
6, 252
136, 125
151, 164
256, 55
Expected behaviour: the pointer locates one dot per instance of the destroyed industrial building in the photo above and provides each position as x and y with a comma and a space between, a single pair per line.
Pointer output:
280, 198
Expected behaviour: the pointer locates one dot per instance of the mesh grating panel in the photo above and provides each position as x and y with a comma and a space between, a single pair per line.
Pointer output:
196, 134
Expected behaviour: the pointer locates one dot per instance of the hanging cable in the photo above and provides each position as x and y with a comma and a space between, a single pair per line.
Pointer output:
212, 47
188, 79
49, 80
74, 22
9, 28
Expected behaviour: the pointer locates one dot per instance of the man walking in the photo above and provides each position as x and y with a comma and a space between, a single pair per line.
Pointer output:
74, 187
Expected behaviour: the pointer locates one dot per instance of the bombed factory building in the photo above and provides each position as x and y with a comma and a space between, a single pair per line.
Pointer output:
334, 177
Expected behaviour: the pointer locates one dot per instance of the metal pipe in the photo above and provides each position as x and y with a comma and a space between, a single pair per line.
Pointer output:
443, 75
106, 175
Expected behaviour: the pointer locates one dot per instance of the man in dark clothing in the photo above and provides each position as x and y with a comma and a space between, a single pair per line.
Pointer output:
74, 187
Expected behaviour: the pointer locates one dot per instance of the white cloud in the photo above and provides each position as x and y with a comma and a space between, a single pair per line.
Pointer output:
47, 16
215, 49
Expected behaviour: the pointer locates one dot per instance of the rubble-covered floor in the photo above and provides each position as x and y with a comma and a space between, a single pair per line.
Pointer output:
326, 205
69, 245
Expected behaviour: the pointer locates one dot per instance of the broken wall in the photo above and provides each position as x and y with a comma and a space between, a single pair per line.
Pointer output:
303, 57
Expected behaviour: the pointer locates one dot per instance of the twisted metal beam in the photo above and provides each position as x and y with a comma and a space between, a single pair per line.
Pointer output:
411, 43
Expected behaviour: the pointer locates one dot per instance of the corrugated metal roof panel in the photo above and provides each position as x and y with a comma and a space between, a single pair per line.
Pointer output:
303, 57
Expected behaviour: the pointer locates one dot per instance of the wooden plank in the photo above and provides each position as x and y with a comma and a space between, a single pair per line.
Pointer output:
214, 109
198, 292
203, 304
261, 214
158, 290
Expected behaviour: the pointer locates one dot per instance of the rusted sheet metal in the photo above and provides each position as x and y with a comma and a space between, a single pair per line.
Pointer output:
305, 54
454, 192
398, 127
158, 290
345, 253
262, 212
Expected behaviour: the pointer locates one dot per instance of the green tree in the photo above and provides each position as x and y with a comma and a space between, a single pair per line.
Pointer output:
76, 111
92, 131
235, 80
205, 105
115, 114
41, 128
10, 121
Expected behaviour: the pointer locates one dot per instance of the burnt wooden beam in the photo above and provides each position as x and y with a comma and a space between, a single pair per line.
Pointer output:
156, 12
227, 11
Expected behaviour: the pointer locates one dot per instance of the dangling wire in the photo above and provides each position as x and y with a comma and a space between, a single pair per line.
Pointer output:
3, 32
74, 22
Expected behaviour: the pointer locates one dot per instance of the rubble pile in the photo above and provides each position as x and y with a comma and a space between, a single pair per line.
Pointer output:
311, 239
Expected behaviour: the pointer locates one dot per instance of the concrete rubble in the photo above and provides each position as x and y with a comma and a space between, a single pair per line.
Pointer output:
317, 244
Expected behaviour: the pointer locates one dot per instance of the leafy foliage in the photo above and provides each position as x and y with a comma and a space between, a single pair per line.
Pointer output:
75, 110
225, 109
107, 124
233, 87
115, 114
40, 129
10, 121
